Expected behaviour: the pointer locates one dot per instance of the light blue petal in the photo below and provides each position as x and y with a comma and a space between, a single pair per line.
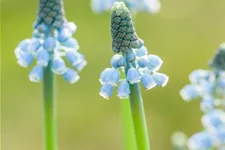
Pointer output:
106, 91
64, 35
117, 61
221, 83
160, 79
130, 57
71, 26
189, 92
148, 81
199, 75
24, 45
123, 90
110, 76
200, 141
36, 34
25, 59
81, 65
42, 57
207, 104
58, 66
74, 57
141, 52
214, 120
142, 62
49, 44
101, 5
36, 74
71, 43
71, 76
155, 62
219, 135
133, 75
35, 44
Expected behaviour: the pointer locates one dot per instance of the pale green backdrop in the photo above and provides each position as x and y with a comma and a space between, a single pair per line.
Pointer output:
185, 34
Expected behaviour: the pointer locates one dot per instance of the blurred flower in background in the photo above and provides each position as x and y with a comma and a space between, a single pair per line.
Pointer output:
209, 86
150, 6
51, 41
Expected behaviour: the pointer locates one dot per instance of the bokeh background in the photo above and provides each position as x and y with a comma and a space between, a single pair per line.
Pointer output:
185, 33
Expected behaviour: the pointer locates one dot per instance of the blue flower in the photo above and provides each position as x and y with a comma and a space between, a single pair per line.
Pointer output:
36, 74
58, 66
143, 51
71, 76
219, 136
148, 81
154, 62
106, 91
190, 92
151, 6
133, 75
160, 79
117, 61
42, 57
110, 76
207, 103
25, 59
142, 62
123, 90
209, 85
214, 120
200, 141
131, 57
51, 42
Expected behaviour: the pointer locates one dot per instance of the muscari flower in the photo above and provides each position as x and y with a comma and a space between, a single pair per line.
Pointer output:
208, 85
130, 56
151, 6
51, 42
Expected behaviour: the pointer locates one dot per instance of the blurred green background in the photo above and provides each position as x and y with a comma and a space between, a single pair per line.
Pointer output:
185, 34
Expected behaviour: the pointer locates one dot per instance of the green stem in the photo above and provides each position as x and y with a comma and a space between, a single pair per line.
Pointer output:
127, 123
138, 116
49, 109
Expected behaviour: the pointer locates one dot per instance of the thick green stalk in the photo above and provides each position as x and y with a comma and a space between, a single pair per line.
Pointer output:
127, 123
49, 110
138, 116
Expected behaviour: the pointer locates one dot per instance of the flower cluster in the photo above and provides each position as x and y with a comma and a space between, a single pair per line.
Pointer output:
51, 41
209, 85
151, 6
130, 56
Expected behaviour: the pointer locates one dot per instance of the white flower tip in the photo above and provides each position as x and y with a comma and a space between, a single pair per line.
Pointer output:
123, 96
185, 95
150, 86
42, 63
104, 95
165, 81
59, 71
34, 78
74, 79
22, 63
